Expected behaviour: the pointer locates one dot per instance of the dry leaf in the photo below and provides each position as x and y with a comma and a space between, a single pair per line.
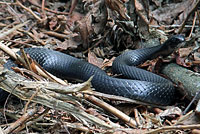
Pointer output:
171, 112
197, 56
53, 22
181, 61
155, 65
184, 52
82, 28
38, 35
35, 2
108, 63
57, 23
67, 44
168, 13
94, 60
99, 16
72, 19
142, 9
117, 5
157, 2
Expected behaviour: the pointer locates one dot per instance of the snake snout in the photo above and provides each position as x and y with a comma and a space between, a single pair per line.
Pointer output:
173, 42
179, 38
176, 39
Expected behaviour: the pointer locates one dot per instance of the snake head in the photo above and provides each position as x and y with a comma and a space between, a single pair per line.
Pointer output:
170, 45
174, 41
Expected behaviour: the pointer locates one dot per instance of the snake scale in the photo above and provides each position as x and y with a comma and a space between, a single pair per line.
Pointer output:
139, 84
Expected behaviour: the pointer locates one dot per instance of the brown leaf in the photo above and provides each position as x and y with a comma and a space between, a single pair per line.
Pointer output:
171, 112
38, 35
155, 65
57, 23
67, 44
184, 52
168, 13
84, 27
99, 15
108, 63
33, 66
181, 61
53, 22
35, 2
17, 70
92, 23
197, 56
117, 5
143, 12
73, 18
94, 60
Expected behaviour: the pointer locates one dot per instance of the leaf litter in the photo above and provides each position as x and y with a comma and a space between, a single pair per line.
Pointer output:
96, 31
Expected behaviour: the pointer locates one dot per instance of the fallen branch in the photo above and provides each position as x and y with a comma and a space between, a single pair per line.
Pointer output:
187, 78
10, 82
130, 121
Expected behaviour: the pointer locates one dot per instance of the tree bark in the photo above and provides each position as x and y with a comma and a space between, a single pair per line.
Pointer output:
189, 80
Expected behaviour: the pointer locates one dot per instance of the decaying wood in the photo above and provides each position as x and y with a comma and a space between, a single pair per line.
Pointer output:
181, 76
184, 77
16, 84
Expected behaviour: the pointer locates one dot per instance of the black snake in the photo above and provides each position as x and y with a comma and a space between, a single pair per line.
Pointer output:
140, 84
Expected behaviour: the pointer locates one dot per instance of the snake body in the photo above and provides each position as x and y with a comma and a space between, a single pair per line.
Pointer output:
140, 84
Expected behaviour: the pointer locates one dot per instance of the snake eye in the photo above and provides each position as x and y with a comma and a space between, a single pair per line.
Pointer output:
177, 39
174, 41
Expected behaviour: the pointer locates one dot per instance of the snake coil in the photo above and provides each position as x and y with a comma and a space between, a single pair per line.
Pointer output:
140, 84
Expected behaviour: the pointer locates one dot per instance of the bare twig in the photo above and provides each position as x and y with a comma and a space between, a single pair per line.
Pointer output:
37, 40
193, 24
49, 10
17, 57
168, 128
123, 99
5, 33
57, 35
20, 121
30, 99
136, 117
8, 3
30, 11
191, 102
36, 118
198, 16
130, 121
